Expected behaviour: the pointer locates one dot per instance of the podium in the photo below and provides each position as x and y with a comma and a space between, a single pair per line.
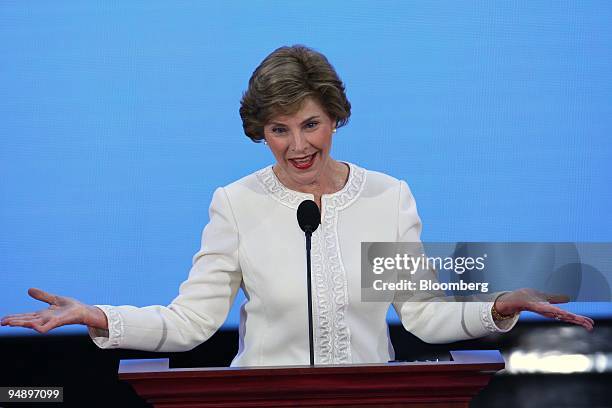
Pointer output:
405, 384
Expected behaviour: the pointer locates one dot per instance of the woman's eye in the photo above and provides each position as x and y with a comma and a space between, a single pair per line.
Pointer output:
311, 125
278, 130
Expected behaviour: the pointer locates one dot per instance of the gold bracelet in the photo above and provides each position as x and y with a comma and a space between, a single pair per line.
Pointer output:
498, 316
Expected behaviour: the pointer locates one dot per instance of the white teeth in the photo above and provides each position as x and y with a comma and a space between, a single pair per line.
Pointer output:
304, 160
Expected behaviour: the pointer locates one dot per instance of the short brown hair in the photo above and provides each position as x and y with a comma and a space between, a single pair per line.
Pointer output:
283, 80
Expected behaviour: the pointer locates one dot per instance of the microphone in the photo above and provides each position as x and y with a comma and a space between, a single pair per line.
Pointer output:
309, 218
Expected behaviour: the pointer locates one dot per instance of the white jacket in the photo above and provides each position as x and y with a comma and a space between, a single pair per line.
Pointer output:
253, 241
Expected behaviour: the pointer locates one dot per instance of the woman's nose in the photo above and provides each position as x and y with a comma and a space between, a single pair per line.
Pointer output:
299, 142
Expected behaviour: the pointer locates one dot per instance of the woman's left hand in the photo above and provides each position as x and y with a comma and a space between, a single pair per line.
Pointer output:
532, 300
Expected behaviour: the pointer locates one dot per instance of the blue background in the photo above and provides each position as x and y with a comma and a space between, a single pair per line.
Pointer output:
119, 119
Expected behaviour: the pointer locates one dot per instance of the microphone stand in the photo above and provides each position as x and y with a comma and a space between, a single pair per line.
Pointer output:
309, 284
309, 219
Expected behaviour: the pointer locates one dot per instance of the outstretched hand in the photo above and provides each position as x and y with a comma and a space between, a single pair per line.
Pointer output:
62, 310
534, 301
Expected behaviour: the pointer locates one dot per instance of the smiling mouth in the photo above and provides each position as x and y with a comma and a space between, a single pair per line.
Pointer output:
303, 162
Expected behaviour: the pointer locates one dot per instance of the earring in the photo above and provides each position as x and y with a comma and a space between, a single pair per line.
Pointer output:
334, 130
265, 142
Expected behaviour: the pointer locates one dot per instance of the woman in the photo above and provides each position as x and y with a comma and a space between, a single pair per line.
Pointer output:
295, 102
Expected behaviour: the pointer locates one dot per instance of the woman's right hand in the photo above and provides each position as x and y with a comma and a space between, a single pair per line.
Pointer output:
62, 311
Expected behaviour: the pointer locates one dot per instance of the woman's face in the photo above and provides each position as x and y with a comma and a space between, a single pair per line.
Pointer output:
301, 144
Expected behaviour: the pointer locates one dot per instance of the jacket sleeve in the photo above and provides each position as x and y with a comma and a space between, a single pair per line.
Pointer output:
203, 302
430, 318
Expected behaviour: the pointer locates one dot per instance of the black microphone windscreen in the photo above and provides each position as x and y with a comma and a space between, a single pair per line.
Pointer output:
309, 216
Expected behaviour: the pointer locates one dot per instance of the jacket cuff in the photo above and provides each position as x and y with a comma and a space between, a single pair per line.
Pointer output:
478, 321
111, 338
491, 325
